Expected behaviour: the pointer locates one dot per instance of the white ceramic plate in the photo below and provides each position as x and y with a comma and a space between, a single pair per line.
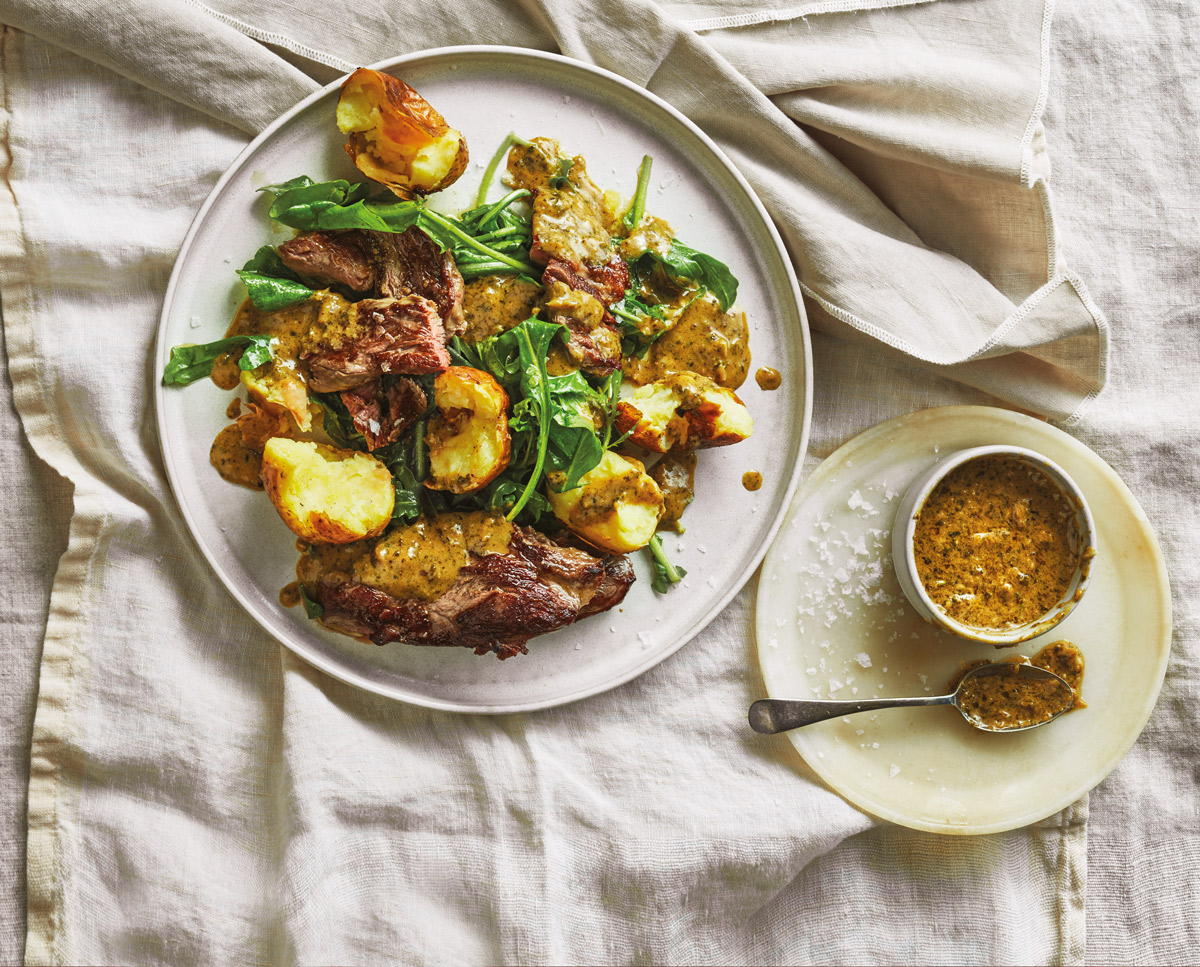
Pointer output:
832, 622
486, 92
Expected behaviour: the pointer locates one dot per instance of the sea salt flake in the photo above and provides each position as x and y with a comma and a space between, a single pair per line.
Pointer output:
893, 770
863, 659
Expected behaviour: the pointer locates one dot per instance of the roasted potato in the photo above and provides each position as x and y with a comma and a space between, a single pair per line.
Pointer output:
683, 411
277, 387
469, 442
616, 506
396, 137
326, 495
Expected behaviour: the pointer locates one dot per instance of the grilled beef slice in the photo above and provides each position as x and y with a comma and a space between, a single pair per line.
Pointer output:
380, 415
410, 262
387, 336
496, 604
388, 264
331, 257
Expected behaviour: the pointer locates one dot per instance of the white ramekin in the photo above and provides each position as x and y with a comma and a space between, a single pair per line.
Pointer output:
906, 567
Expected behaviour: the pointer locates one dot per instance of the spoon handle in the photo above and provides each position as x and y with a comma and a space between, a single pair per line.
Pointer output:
770, 715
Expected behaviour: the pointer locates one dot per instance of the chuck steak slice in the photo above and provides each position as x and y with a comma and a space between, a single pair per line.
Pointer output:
380, 415
389, 264
329, 257
606, 282
496, 604
386, 336
410, 263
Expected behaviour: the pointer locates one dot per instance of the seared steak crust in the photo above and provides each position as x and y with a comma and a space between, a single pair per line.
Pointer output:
331, 257
381, 416
410, 262
496, 604
606, 282
397, 336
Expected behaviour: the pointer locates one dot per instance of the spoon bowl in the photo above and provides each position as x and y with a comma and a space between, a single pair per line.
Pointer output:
1000, 696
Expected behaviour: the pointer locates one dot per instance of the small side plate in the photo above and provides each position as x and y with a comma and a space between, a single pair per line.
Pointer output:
832, 622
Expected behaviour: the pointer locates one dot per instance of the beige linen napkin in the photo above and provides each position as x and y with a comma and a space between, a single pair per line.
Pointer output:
199, 796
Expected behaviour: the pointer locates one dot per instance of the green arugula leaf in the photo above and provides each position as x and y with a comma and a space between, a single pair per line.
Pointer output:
683, 263
490, 171
637, 208
192, 362
311, 608
665, 573
560, 178
271, 284
572, 444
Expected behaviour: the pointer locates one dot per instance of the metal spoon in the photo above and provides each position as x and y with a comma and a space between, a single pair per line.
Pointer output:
770, 715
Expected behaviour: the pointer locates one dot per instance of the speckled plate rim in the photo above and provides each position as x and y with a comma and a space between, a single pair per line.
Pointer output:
808, 747
331, 665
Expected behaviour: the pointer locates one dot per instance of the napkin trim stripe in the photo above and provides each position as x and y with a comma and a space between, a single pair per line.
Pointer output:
276, 40
795, 13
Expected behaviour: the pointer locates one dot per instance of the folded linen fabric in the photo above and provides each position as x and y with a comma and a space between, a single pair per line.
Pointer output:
199, 796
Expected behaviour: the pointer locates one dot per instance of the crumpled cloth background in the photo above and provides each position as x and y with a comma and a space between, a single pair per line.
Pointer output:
196, 795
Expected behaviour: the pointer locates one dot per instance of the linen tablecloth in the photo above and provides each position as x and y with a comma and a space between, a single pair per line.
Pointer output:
198, 795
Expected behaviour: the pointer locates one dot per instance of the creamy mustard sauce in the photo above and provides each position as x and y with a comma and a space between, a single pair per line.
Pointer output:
705, 340
493, 304
675, 475
559, 361
235, 461
234, 409
587, 315
225, 372
768, 378
419, 560
289, 595
652, 235
325, 320
996, 543
570, 220
1008, 701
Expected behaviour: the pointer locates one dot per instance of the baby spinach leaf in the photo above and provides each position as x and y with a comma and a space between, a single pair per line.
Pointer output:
192, 362
311, 608
270, 283
334, 205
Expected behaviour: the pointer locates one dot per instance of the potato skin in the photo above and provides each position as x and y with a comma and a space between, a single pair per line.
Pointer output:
326, 495
617, 505
468, 437
683, 411
407, 125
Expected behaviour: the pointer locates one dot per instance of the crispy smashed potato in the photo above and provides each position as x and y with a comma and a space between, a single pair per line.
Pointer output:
469, 442
278, 389
326, 495
684, 411
396, 137
616, 506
